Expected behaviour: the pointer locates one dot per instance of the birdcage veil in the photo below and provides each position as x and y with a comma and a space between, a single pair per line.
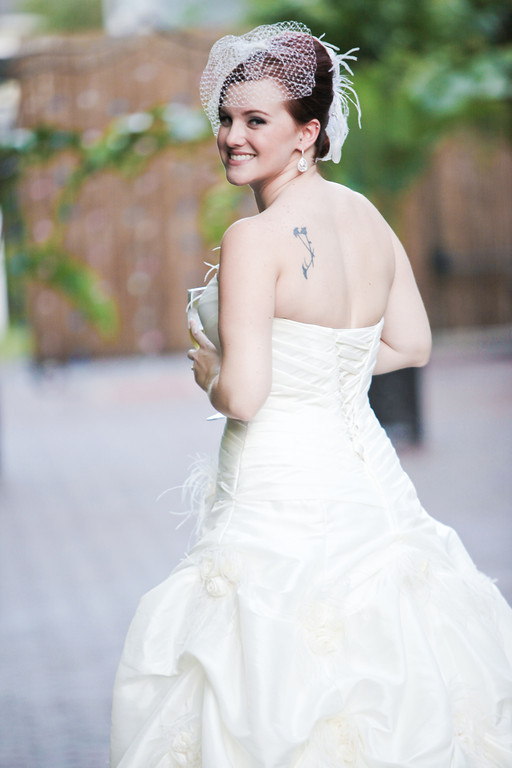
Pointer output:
283, 53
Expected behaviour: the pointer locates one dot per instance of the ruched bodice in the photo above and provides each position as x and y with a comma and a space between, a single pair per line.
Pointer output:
322, 619
312, 427
327, 367
311, 363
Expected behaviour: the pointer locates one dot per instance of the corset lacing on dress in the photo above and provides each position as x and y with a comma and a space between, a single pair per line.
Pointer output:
353, 359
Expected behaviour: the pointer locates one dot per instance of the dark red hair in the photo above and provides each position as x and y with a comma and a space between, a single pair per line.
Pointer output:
318, 103
315, 106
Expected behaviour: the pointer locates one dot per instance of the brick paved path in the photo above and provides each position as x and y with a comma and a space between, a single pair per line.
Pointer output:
87, 450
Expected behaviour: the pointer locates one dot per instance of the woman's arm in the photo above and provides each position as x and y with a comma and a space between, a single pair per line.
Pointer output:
406, 338
238, 381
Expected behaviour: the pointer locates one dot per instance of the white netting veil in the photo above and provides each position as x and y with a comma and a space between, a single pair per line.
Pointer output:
284, 54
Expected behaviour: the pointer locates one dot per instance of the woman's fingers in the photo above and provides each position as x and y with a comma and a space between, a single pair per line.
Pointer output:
200, 336
205, 361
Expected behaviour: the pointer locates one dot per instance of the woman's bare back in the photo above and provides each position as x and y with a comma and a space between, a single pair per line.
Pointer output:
334, 253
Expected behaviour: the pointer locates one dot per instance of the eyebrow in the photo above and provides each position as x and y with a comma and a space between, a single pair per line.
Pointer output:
246, 111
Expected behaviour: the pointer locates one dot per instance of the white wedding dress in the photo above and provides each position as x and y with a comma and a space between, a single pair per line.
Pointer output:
323, 619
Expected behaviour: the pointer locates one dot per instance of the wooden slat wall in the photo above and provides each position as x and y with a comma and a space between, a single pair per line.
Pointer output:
140, 235
457, 227
142, 238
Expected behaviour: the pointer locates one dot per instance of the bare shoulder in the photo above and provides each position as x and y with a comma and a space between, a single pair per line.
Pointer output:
356, 200
248, 238
243, 232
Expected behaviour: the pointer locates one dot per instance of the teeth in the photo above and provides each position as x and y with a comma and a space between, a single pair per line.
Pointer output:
241, 157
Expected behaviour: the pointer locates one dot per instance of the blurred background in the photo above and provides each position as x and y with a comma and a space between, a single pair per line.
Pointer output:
112, 199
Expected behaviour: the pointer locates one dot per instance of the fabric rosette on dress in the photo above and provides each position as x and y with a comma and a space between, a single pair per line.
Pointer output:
323, 619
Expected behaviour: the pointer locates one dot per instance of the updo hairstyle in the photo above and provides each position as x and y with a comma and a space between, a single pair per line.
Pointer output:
304, 109
316, 105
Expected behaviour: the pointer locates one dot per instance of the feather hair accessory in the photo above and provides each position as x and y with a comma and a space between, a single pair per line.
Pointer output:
344, 92
283, 55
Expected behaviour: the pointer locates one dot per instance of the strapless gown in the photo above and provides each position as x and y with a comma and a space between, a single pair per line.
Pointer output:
322, 619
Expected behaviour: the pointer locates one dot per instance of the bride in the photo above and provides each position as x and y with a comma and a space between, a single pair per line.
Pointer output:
322, 619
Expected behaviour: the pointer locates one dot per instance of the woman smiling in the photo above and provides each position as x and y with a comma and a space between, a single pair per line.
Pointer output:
323, 619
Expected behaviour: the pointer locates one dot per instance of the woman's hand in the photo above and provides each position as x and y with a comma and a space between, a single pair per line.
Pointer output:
205, 360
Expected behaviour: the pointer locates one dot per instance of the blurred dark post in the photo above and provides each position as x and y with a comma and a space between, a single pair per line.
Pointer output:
395, 398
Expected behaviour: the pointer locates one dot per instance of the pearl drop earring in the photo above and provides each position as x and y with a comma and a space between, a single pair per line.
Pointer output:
302, 165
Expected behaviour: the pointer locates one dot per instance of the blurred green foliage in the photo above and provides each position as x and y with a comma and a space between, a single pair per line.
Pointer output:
66, 15
126, 146
426, 67
381, 27
15, 342
220, 207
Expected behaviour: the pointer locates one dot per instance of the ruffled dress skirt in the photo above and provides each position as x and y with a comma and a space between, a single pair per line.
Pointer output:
323, 619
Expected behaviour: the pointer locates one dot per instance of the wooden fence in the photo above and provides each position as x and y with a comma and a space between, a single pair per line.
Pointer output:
457, 227
142, 238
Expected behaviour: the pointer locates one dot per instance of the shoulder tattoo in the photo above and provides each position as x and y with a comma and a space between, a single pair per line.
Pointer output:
302, 234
